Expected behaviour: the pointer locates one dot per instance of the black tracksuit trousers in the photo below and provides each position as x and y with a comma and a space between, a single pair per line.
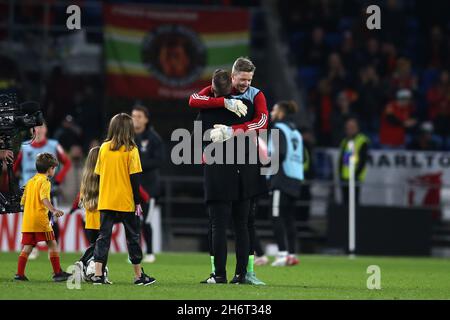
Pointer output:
131, 224
254, 241
283, 218
219, 214
92, 236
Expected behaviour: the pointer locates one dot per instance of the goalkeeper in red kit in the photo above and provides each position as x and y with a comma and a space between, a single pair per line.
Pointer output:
230, 188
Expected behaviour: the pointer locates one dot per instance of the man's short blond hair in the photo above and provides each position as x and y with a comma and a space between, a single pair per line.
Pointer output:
243, 64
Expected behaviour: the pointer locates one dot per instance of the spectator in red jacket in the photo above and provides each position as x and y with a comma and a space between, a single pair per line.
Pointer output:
396, 119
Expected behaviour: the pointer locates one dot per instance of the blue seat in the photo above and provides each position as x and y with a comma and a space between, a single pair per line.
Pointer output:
428, 78
446, 145
409, 138
412, 25
412, 46
374, 140
438, 140
345, 23
323, 163
333, 39
308, 76
296, 39
257, 21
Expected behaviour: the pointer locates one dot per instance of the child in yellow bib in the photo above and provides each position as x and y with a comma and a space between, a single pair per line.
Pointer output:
36, 225
89, 190
118, 166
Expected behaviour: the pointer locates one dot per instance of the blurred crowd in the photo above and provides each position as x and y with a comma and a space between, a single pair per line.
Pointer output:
394, 80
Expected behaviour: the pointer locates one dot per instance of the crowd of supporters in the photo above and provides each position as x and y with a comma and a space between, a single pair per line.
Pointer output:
394, 80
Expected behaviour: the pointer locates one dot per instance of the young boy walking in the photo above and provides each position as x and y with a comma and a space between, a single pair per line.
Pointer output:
36, 225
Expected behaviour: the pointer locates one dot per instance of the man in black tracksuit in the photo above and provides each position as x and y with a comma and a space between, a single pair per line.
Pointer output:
229, 188
151, 152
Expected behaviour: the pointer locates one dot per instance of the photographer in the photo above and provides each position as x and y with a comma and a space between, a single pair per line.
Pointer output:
16, 120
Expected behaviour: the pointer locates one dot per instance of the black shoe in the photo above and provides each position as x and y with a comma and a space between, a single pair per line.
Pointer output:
20, 278
210, 276
98, 280
61, 276
213, 279
238, 279
144, 280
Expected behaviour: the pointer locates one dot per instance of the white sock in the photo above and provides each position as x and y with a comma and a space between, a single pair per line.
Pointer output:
282, 254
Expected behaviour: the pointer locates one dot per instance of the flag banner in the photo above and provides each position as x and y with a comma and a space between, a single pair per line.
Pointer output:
167, 52
402, 178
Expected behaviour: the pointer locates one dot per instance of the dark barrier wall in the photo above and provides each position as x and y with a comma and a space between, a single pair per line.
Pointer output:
382, 230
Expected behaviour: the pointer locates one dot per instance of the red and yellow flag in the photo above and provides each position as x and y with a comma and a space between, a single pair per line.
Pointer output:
170, 52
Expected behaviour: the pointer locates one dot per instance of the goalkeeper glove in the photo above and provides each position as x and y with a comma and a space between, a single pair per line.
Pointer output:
221, 133
236, 106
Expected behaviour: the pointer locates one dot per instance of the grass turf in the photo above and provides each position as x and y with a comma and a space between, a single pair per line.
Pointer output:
178, 276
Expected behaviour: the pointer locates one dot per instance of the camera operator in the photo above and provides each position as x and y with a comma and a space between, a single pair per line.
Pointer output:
16, 119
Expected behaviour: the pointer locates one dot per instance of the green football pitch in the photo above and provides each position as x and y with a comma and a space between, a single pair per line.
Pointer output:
178, 276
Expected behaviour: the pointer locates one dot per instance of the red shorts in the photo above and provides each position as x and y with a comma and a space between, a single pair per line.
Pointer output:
32, 238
